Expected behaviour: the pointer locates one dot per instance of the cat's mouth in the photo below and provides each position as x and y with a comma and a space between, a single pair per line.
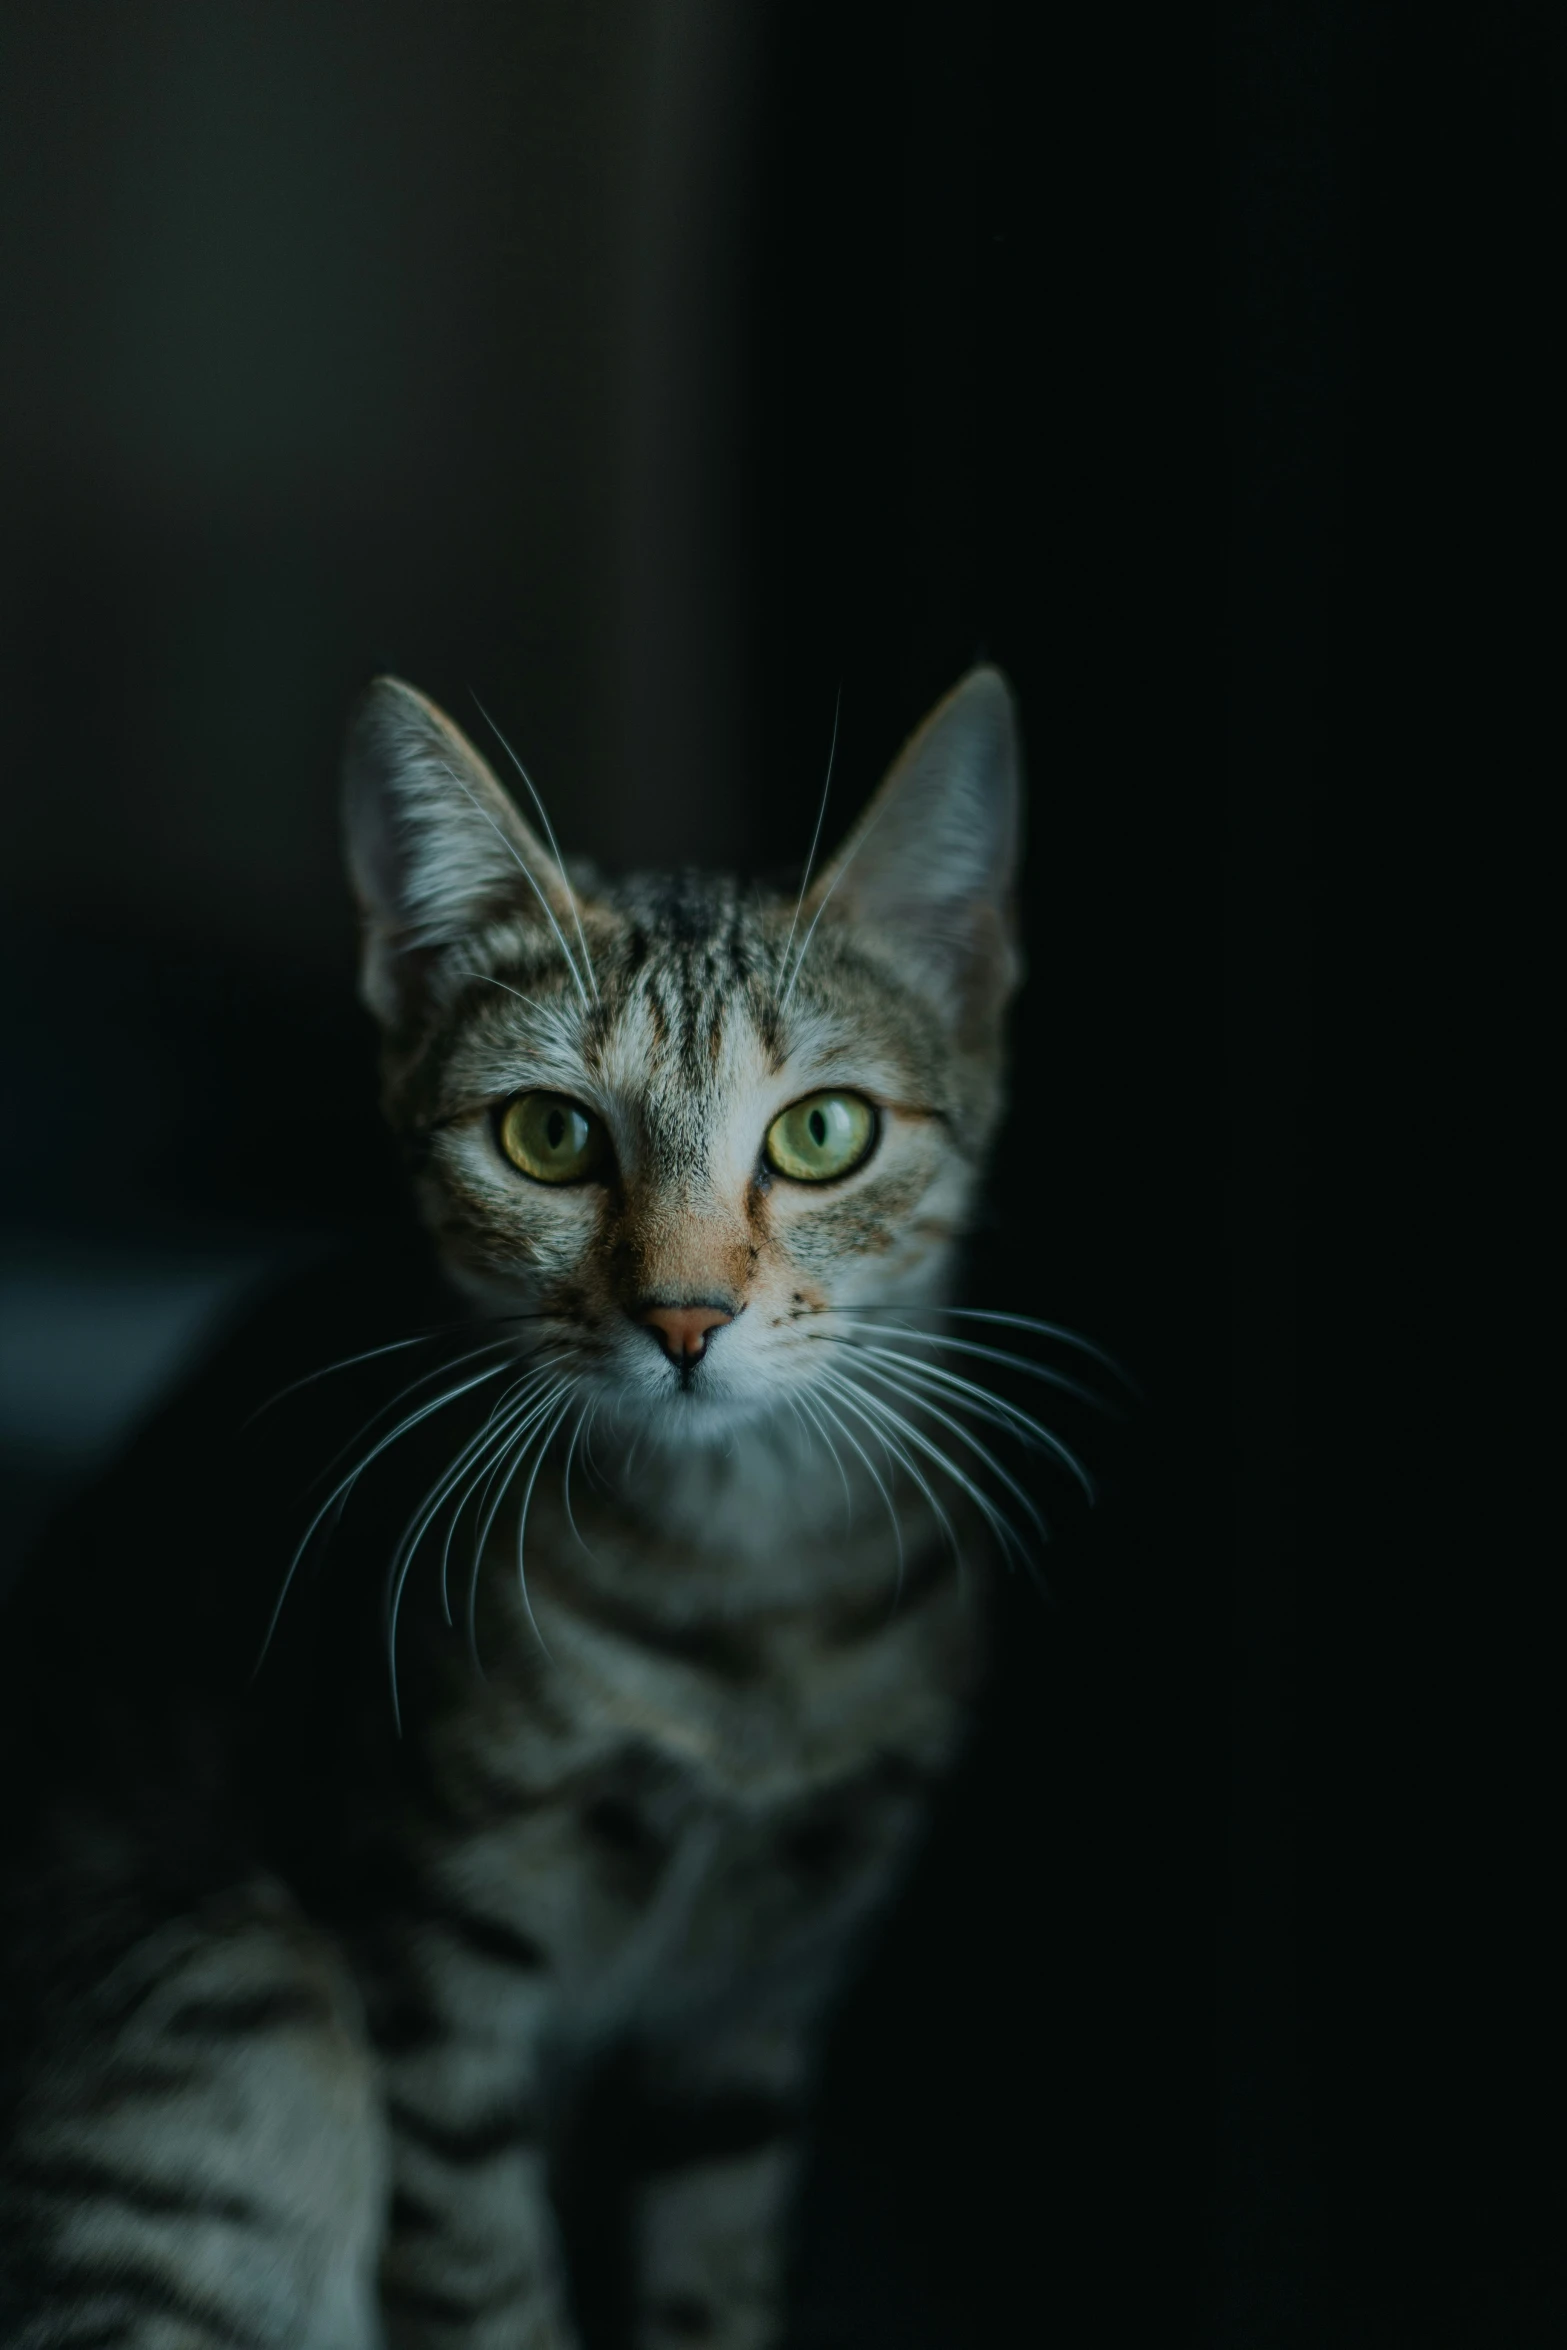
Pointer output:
687, 1334
689, 1373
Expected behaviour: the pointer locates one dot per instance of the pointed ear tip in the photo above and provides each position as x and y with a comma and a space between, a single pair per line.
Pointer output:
387, 696
989, 686
981, 712
389, 718
993, 727
379, 724
381, 699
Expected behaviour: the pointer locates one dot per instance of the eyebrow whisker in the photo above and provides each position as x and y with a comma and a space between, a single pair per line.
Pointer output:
549, 834
810, 861
527, 873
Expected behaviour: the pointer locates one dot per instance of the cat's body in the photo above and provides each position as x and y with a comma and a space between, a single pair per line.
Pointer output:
304, 1972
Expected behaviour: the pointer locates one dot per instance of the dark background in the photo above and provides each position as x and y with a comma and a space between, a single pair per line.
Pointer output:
655, 370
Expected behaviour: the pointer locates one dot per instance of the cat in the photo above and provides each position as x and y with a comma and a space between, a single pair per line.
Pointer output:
338, 1862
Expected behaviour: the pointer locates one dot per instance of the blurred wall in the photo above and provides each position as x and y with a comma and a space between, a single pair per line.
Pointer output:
340, 338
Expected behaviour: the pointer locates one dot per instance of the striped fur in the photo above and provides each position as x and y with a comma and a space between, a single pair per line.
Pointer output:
288, 2055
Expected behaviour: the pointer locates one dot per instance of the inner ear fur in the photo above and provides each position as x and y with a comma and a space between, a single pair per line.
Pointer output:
931, 865
434, 845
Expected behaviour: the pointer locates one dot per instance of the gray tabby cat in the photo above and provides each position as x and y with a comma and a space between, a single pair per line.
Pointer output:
287, 2053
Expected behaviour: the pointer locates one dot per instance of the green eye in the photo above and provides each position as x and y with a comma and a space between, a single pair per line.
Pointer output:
823, 1136
551, 1138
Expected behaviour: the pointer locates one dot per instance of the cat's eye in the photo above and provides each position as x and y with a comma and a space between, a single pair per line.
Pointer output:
825, 1135
552, 1138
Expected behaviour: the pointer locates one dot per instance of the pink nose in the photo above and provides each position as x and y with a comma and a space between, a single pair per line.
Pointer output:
682, 1330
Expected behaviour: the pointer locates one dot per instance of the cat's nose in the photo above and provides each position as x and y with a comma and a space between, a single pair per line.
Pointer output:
682, 1330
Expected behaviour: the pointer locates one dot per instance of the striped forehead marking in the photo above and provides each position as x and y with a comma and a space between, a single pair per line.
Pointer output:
689, 1000
689, 948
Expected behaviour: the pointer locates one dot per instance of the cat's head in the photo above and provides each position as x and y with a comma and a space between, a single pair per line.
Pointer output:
687, 1127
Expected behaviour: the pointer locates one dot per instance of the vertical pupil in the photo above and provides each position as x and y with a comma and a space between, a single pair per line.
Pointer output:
555, 1128
818, 1125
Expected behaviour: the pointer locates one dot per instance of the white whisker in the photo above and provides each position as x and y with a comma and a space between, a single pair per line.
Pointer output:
874, 1473
871, 823
501, 1419
868, 1408
922, 1398
578, 1436
1006, 1534
411, 1387
810, 861
526, 871
804, 1404
490, 1445
370, 1355
811, 1434
402, 1562
589, 1460
549, 835
1044, 1372
497, 1484
979, 1399
1011, 1322
531, 1001
522, 1516
338, 1497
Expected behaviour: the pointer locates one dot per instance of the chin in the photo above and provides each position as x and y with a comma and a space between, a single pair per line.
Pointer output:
698, 1417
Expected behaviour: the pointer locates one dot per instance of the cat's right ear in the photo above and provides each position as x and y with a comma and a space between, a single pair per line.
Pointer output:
434, 845
931, 864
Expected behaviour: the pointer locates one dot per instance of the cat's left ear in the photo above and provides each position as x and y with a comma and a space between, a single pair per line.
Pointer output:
435, 847
932, 863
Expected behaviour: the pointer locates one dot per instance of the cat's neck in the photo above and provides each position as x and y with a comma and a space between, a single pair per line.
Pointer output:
767, 1515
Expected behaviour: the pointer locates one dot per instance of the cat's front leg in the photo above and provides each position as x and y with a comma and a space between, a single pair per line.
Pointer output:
729, 2067
472, 2259
194, 2156
720, 2150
